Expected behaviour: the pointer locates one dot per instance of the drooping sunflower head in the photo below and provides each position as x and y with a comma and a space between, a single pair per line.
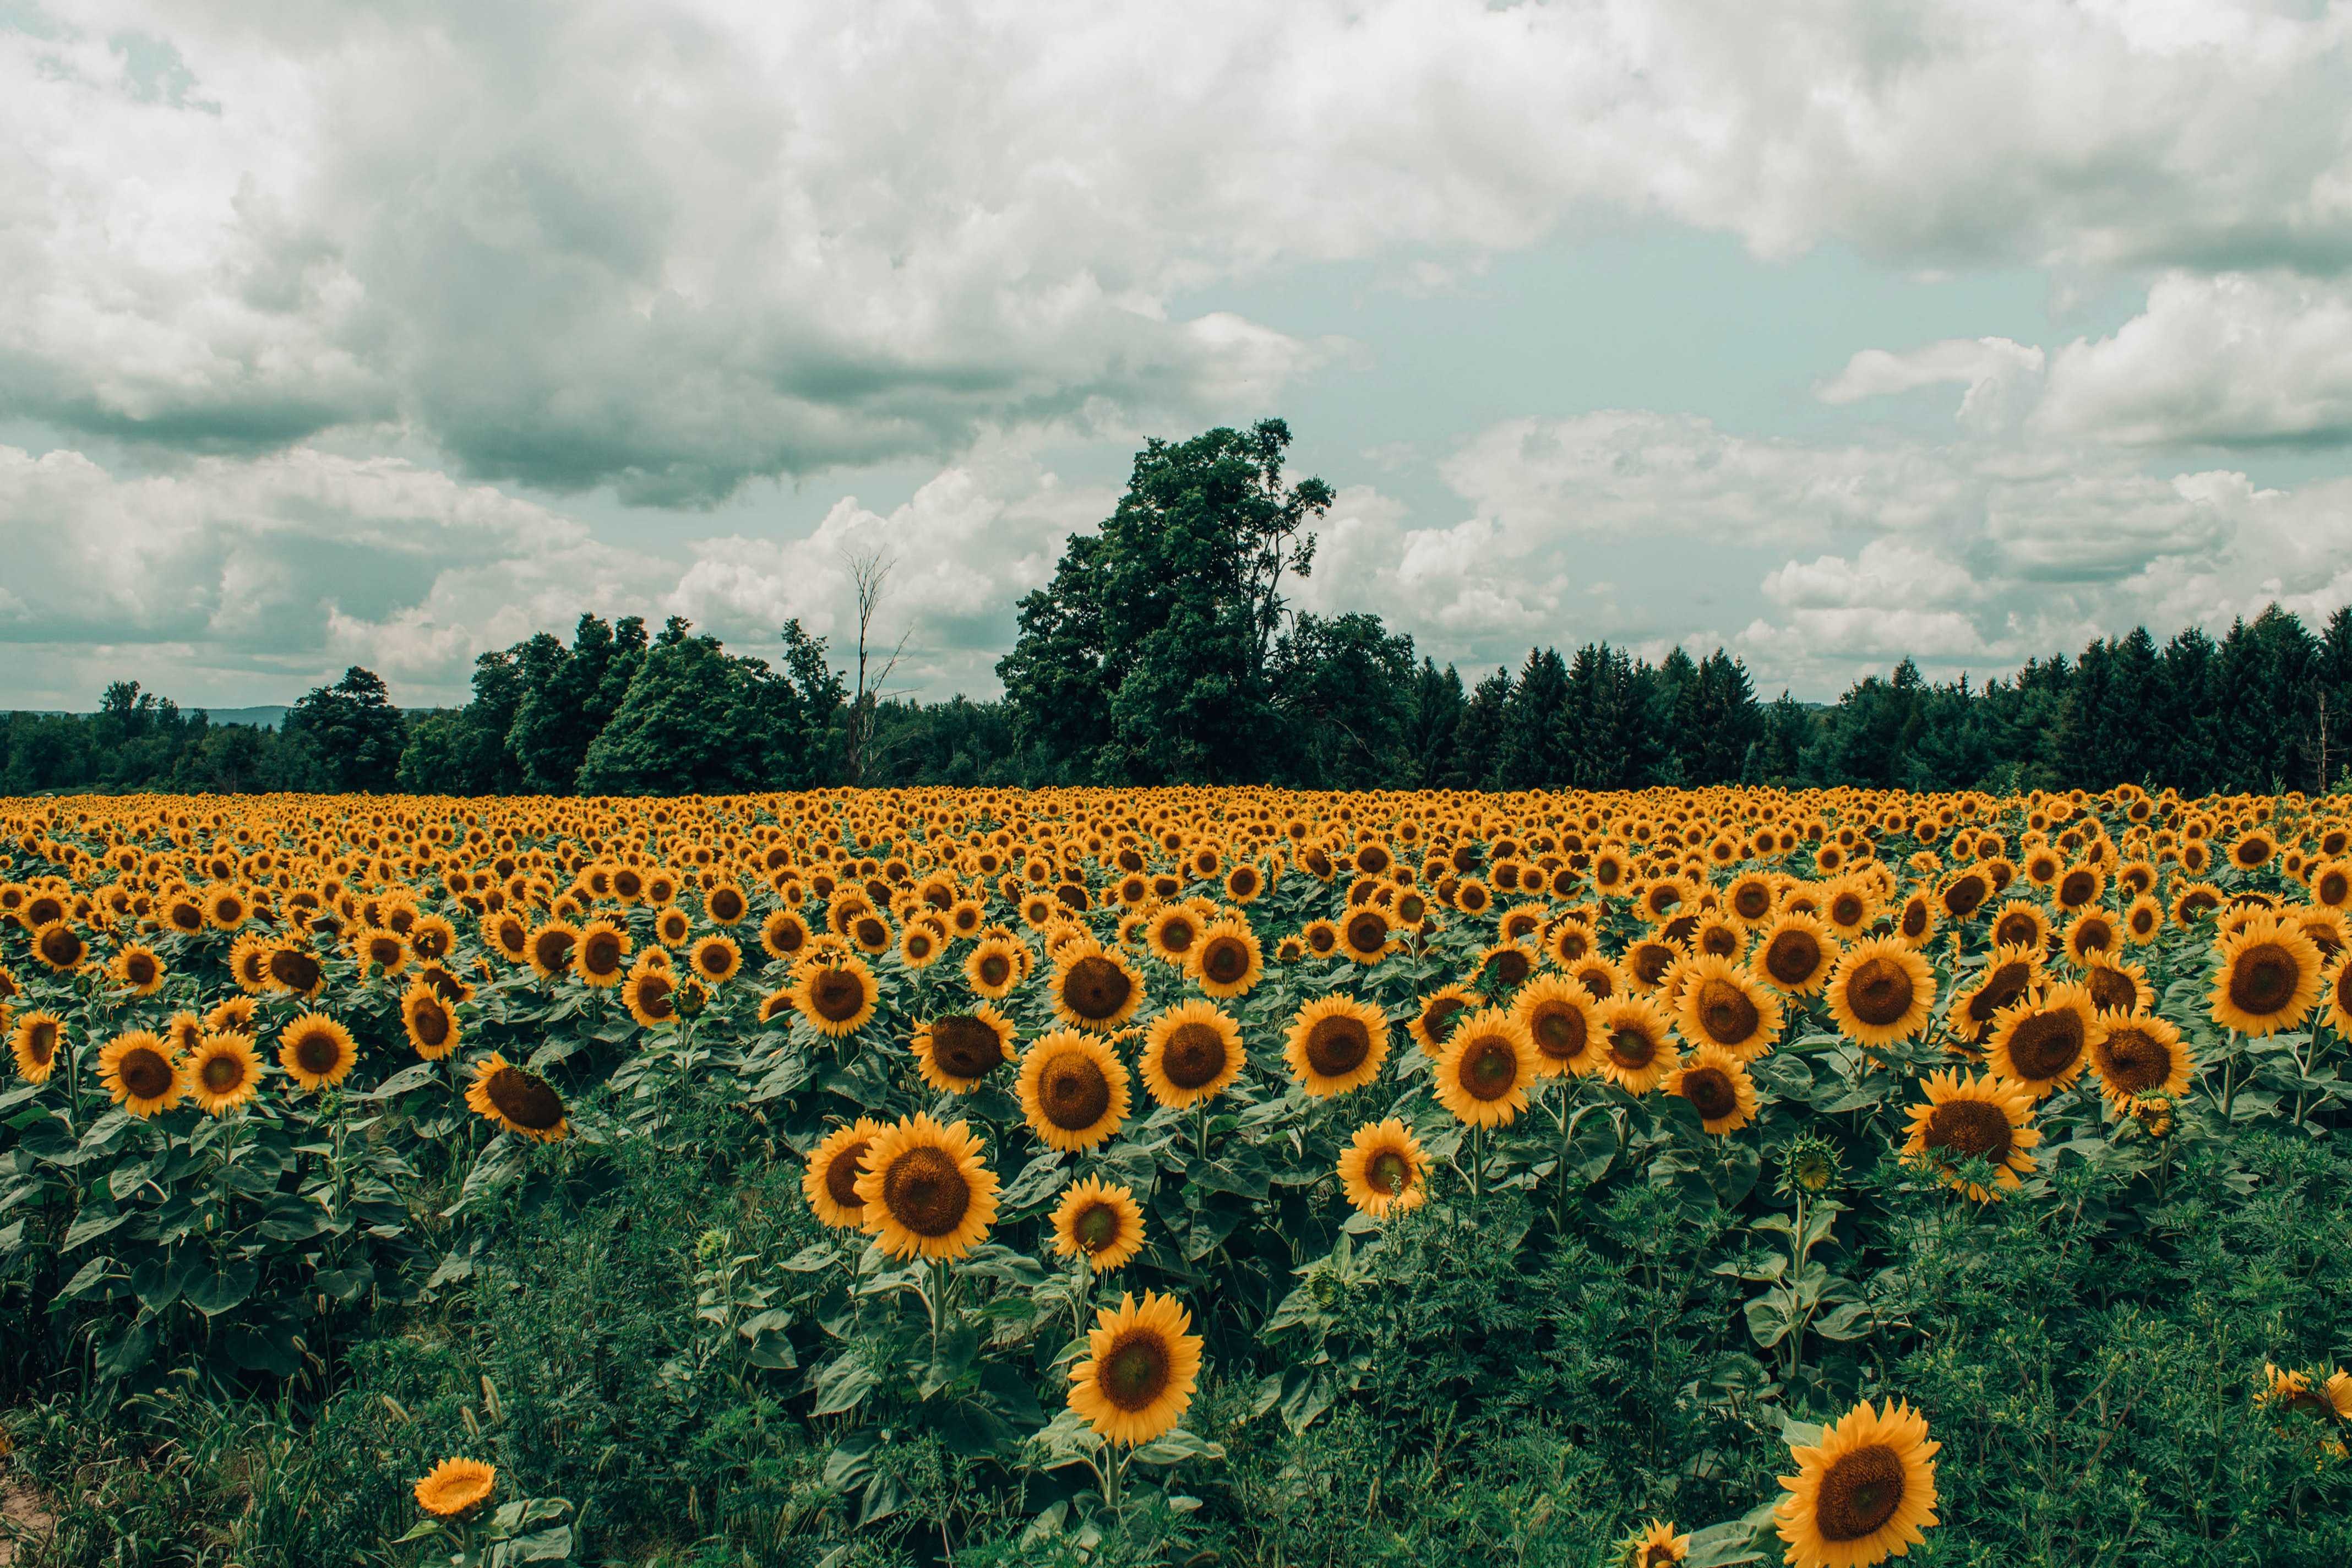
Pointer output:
650, 993
1100, 1221
830, 1180
316, 1051
137, 1070
956, 1051
1881, 991
1335, 1043
925, 1189
2008, 976
1142, 1367
1094, 987
1717, 1085
2115, 987
1192, 1053
1484, 1070
34, 1043
2267, 979
1723, 1006
1970, 1119
1384, 1169
1636, 1045
1562, 1022
1437, 1015
522, 1103
1865, 1492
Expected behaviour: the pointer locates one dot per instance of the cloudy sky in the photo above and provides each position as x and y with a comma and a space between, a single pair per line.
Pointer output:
1828, 332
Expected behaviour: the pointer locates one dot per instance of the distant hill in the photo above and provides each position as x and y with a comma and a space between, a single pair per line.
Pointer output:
261, 718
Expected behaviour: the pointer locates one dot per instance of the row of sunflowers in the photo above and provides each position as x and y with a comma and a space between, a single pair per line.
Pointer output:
284, 1063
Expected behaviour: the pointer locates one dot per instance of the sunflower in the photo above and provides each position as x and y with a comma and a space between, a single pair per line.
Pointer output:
1915, 923
1094, 987
182, 1034
1434, 1019
1335, 1043
431, 1027
602, 958
1794, 952
1100, 1221
1366, 933
1485, 1068
715, 959
2267, 980
550, 949
137, 1070
2021, 924
672, 926
453, 1486
995, 967
1864, 1493
830, 1181
1384, 1168
2117, 988
1073, 1090
783, 934
1973, 1118
1192, 1053
1724, 1006
223, 1073
2338, 995
650, 992
60, 946
1558, 1016
1600, 978
955, 1051
2041, 1044
1749, 897
506, 932
522, 1103
295, 969
137, 969
926, 1191
2010, 973
1228, 961
1881, 992
836, 995
1716, 1084
1142, 1364
1172, 935
1655, 1547
2139, 1057
1636, 1049
316, 1051
34, 1042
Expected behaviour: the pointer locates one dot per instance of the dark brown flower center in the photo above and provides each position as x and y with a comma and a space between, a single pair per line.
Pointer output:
1750, 900
1961, 899
1074, 1093
836, 995
1711, 1093
2016, 930
1177, 935
2002, 987
1489, 1068
528, 1100
553, 948
1969, 1128
1879, 992
2262, 979
965, 1047
1225, 959
653, 995
41, 1042
318, 1053
2133, 1060
1096, 1227
1338, 1045
1727, 1013
1387, 1172
1096, 988
1367, 933
294, 969
2075, 889
1792, 957
431, 1023
601, 954
1632, 1049
841, 1174
1136, 1371
145, 1073
1860, 1493
725, 904
1559, 1031
2112, 990
222, 1072
1195, 1055
926, 1191
2046, 1044
1510, 966
61, 947
1437, 1016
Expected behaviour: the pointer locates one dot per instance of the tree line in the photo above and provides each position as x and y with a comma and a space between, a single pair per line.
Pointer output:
1164, 650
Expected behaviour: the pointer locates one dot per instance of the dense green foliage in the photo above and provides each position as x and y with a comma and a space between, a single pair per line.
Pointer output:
1162, 650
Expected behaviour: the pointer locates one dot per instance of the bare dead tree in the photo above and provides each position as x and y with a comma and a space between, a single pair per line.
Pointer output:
870, 575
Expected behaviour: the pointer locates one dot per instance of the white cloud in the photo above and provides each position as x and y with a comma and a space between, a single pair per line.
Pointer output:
671, 246
2001, 377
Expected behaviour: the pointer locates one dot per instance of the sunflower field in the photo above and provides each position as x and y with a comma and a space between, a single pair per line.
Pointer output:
1177, 1177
